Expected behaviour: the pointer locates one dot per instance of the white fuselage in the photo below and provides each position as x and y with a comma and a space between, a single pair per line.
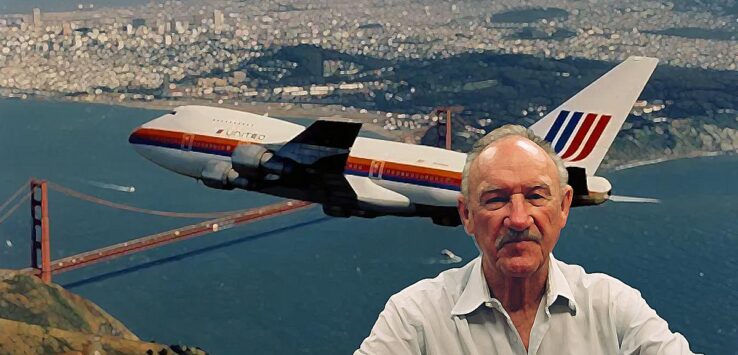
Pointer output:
383, 174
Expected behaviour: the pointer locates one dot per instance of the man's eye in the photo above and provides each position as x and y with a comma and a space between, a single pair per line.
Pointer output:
496, 202
537, 199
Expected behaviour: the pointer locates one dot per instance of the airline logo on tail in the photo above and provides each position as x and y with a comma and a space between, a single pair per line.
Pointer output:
581, 138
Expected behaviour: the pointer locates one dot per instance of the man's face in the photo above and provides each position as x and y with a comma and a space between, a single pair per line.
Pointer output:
516, 207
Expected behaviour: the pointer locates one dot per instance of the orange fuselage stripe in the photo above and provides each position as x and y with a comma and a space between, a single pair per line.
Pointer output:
175, 138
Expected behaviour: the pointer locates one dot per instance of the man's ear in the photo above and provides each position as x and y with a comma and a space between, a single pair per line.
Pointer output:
465, 214
567, 196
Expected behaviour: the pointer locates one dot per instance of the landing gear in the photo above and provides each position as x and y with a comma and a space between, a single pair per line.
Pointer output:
342, 212
447, 220
336, 211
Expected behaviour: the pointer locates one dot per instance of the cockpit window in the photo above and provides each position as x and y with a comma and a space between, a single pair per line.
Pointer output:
173, 112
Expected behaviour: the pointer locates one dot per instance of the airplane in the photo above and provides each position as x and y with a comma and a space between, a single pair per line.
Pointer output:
328, 163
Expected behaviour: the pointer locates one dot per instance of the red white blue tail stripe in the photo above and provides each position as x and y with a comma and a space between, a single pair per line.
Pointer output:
576, 133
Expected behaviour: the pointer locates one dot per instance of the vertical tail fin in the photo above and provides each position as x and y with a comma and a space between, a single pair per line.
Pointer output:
582, 129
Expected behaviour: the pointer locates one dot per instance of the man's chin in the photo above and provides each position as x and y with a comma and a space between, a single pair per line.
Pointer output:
518, 265
521, 248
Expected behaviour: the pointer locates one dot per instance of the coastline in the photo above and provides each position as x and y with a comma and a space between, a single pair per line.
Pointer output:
312, 112
646, 162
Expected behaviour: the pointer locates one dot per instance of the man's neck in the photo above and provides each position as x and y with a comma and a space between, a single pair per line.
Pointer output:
520, 297
518, 293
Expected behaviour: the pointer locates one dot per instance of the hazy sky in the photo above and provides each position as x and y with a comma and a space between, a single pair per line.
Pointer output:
26, 6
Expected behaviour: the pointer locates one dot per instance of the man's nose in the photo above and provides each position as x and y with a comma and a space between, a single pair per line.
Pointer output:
519, 219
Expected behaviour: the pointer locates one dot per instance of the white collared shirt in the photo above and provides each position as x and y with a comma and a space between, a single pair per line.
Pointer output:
580, 313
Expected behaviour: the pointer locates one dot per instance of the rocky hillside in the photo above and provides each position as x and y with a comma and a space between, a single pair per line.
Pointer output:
38, 318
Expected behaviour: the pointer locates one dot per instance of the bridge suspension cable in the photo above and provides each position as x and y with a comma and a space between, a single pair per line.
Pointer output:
17, 203
82, 196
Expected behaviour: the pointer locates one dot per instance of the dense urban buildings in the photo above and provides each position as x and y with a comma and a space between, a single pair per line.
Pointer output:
344, 53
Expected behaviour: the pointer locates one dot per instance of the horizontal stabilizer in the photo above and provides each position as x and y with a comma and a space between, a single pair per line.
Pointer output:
376, 196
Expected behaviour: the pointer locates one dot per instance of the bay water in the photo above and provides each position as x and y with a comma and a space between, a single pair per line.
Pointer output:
307, 283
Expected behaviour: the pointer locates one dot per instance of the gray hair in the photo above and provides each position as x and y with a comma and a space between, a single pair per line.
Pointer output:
502, 132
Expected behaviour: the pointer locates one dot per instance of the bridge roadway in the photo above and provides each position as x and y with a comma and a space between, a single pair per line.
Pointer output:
175, 235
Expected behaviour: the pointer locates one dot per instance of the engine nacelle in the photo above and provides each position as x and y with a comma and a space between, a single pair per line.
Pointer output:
219, 174
247, 159
254, 161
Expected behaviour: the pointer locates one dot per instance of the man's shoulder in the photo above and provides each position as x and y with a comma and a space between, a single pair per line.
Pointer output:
593, 286
441, 291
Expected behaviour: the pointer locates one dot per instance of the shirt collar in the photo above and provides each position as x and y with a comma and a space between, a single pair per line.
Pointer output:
476, 291
558, 287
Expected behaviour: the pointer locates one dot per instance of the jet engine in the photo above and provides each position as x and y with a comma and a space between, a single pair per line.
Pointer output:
219, 174
247, 159
249, 164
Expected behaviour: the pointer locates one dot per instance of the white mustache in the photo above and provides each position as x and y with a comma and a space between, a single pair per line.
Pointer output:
512, 236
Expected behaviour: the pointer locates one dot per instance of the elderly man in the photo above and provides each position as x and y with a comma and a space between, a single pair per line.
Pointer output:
516, 298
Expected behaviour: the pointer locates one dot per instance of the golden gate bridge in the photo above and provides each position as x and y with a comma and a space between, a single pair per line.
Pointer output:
36, 191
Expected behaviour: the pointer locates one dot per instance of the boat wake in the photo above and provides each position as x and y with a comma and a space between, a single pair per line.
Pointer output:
104, 185
447, 257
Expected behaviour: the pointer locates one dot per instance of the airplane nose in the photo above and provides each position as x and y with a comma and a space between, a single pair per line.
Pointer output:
132, 139
136, 140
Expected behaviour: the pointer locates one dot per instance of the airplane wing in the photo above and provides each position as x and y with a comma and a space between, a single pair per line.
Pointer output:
321, 140
323, 148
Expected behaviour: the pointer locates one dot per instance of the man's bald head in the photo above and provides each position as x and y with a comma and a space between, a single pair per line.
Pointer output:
506, 131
